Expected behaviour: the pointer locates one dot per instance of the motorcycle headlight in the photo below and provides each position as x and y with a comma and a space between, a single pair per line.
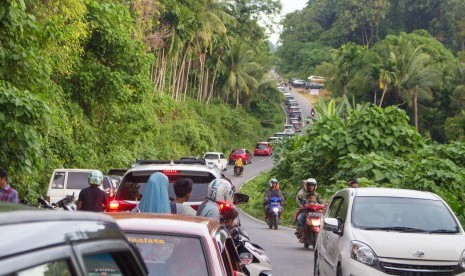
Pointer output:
363, 253
462, 261
275, 209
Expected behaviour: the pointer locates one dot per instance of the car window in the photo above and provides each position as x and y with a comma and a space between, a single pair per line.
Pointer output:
427, 215
334, 207
171, 255
239, 152
261, 146
77, 180
101, 264
133, 184
210, 156
58, 180
222, 156
58, 267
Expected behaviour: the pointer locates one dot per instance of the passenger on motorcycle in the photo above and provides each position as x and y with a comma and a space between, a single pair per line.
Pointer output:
273, 191
228, 217
312, 195
239, 164
219, 191
302, 194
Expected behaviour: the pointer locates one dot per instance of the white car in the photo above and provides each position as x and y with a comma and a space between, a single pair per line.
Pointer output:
216, 158
379, 231
289, 129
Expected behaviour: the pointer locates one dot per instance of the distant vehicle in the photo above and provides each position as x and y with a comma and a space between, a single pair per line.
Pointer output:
240, 153
316, 79
380, 231
289, 130
273, 138
65, 182
180, 245
280, 135
293, 104
297, 83
295, 114
263, 148
216, 158
297, 125
39, 242
312, 85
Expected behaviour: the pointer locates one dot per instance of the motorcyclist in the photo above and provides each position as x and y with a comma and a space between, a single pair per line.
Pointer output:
239, 164
311, 186
272, 191
219, 191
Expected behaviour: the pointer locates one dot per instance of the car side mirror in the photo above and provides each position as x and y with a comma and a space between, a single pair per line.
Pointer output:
240, 198
334, 225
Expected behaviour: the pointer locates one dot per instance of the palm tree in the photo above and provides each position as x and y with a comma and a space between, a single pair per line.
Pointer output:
239, 79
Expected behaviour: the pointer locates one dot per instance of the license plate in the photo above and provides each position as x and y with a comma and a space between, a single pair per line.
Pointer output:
312, 214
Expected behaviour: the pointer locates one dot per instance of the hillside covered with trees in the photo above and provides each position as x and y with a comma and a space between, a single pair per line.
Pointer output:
99, 84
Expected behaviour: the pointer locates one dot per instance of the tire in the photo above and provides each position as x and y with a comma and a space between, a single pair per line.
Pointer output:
306, 245
339, 270
314, 237
275, 222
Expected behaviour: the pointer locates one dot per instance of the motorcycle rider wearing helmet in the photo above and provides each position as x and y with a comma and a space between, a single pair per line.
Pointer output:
239, 164
219, 192
93, 198
272, 191
311, 186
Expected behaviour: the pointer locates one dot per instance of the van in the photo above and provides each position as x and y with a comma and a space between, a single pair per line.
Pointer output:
65, 182
381, 231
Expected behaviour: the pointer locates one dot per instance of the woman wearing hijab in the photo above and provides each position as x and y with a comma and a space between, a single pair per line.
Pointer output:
155, 197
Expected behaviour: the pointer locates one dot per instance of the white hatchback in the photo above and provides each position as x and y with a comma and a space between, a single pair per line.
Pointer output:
289, 129
378, 231
216, 158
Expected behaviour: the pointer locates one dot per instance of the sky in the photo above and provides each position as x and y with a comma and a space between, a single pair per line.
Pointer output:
288, 6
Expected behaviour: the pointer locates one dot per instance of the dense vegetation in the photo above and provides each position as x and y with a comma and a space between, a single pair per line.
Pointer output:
376, 145
388, 52
98, 84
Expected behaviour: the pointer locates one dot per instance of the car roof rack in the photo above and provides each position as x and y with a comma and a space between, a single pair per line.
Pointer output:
184, 160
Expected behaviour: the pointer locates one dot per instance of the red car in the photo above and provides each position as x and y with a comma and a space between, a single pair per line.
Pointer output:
263, 148
240, 153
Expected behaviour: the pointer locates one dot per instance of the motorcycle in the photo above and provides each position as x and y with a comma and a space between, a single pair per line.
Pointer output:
309, 234
66, 203
274, 212
254, 260
238, 170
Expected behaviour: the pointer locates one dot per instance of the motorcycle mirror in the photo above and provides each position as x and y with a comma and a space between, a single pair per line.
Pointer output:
240, 198
246, 258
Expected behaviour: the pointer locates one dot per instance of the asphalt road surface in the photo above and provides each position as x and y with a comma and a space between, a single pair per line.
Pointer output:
287, 255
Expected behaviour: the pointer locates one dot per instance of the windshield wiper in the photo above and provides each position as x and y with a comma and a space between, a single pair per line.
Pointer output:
396, 228
444, 231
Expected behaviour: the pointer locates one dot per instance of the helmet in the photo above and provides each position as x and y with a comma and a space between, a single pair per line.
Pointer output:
220, 190
273, 181
95, 177
228, 212
311, 181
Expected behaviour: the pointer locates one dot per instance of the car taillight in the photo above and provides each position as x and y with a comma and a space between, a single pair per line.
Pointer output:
170, 172
224, 206
120, 206
195, 207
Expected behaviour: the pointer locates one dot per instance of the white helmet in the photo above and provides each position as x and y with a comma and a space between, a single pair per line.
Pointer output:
311, 181
95, 178
273, 181
220, 190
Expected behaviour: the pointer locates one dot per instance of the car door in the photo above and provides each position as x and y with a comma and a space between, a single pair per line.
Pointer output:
223, 161
331, 242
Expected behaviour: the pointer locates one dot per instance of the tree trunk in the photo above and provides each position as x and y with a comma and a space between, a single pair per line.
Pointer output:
415, 106
382, 95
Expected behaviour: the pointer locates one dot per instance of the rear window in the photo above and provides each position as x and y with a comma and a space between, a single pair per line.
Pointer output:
77, 180
133, 184
210, 156
58, 180
261, 146
238, 152
288, 127
171, 255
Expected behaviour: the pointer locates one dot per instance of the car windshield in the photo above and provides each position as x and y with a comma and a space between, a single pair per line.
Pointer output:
288, 127
171, 255
210, 156
238, 152
133, 184
403, 214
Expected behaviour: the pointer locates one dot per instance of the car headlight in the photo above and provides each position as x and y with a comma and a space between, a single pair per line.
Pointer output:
363, 253
462, 261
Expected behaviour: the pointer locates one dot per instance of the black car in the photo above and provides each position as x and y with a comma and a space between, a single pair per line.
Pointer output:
39, 242
312, 85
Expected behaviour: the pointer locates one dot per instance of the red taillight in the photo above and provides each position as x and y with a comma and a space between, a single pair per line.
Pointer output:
195, 207
170, 172
224, 206
120, 206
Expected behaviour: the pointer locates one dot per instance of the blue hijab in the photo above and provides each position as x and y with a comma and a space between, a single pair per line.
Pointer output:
155, 197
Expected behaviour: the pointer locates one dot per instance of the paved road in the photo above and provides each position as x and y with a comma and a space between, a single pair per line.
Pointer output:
287, 255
